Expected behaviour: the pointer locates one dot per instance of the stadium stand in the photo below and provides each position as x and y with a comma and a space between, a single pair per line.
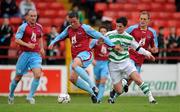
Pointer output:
161, 11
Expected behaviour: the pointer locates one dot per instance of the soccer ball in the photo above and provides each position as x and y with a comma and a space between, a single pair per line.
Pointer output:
63, 98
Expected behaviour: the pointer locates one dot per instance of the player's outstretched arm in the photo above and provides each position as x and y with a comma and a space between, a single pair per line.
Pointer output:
141, 50
95, 34
146, 53
61, 36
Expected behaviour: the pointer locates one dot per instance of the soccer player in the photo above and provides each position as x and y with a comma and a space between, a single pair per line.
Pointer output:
80, 35
145, 36
29, 37
120, 63
147, 39
100, 62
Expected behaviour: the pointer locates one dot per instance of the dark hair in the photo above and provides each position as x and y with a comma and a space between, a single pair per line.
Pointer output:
73, 14
122, 20
103, 27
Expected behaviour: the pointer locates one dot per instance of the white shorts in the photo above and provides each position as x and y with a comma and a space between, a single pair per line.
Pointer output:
120, 70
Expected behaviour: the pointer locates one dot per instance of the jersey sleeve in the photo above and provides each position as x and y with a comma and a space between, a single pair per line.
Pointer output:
134, 44
155, 40
61, 36
96, 35
93, 43
20, 31
131, 28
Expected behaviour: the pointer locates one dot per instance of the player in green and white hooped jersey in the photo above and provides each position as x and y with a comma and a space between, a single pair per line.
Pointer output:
120, 63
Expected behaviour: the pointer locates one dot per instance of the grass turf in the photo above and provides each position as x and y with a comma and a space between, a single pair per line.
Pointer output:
82, 103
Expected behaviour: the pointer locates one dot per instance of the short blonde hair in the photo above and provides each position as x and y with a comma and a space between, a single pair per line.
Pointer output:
145, 13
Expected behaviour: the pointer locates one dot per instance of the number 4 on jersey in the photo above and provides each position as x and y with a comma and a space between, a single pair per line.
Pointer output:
73, 40
33, 37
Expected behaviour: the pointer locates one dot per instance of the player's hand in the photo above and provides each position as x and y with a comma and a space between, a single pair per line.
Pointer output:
42, 52
31, 45
149, 56
154, 50
50, 47
118, 48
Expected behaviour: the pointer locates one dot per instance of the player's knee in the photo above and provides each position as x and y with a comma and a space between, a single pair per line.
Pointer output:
37, 75
129, 81
118, 91
103, 80
73, 79
18, 78
138, 82
74, 65
77, 62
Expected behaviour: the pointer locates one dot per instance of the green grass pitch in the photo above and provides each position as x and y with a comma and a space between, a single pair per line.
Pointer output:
82, 103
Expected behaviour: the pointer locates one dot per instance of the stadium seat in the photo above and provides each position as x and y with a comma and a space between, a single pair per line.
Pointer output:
45, 21
1, 20
176, 16
49, 13
41, 5
131, 22
116, 6
171, 1
158, 23
15, 21
178, 31
130, 7
46, 29
43, 0
132, 1
145, 1
170, 7
173, 23
100, 7
156, 7
154, 15
142, 7
112, 14
160, 1
135, 16
124, 13
58, 21
62, 45
164, 15
61, 13
55, 6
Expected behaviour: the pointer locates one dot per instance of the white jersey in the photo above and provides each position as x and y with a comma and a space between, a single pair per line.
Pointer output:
125, 40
